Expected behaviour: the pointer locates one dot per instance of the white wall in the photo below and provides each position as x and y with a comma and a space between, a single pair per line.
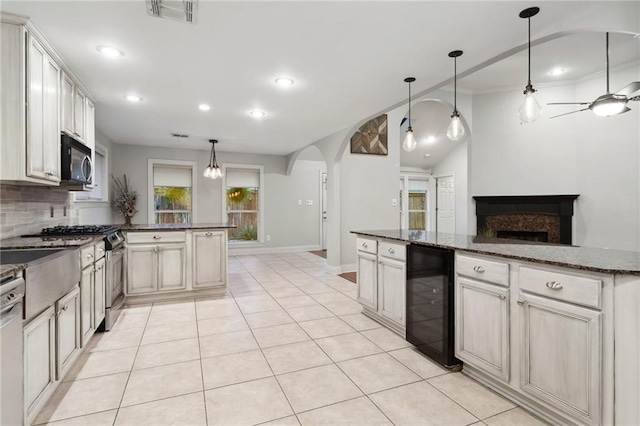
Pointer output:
596, 157
286, 223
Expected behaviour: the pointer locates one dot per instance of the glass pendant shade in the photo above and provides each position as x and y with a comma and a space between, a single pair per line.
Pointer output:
456, 131
530, 109
409, 143
213, 171
207, 172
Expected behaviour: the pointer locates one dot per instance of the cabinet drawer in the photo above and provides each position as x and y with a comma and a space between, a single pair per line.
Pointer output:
483, 269
156, 237
562, 286
367, 245
99, 250
87, 256
393, 251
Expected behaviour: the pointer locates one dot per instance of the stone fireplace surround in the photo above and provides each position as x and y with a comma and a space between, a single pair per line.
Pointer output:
548, 214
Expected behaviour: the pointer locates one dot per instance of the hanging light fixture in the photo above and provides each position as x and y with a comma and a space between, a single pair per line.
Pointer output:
455, 132
409, 143
213, 171
530, 109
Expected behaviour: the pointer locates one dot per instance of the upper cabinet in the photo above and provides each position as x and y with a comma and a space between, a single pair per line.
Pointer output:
40, 99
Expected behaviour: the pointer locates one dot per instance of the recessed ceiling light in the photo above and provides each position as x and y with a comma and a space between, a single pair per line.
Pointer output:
204, 107
431, 139
110, 52
284, 82
257, 113
427, 155
133, 98
557, 71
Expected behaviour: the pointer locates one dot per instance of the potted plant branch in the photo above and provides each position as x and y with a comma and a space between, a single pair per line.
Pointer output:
125, 198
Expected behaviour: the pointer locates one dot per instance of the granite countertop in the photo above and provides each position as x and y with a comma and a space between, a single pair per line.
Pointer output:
584, 258
174, 226
8, 270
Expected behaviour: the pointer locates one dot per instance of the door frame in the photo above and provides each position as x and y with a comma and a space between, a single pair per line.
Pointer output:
323, 210
436, 178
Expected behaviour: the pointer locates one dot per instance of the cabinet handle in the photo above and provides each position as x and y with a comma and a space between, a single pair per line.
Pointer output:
554, 285
479, 269
391, 250
364, 245
520, 302
502, 297
156, 237
208, 234
64, 308
89, 256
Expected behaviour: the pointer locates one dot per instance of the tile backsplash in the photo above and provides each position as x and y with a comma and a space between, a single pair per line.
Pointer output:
27, 209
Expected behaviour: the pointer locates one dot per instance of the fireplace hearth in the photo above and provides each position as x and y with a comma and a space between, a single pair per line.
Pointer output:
545, 218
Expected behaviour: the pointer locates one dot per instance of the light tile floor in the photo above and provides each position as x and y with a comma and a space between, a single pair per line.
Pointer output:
287, 346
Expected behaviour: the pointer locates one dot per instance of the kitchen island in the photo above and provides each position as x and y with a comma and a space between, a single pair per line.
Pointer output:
553, 327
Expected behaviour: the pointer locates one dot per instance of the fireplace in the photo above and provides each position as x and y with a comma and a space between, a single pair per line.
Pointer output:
545, 218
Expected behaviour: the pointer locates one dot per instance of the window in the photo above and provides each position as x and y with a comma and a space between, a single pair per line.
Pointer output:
414, 203
172, 191
243, 201
100, 191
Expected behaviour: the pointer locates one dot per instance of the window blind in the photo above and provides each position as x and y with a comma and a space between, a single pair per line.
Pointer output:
243, 178
172, 176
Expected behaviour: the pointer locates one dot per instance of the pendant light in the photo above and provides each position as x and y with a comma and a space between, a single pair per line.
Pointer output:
455, 132
213, 171
409, 143
530, 109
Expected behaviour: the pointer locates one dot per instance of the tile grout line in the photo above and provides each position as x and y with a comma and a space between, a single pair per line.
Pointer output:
204, 395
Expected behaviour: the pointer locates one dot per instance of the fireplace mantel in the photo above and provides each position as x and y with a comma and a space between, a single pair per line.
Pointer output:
550, 205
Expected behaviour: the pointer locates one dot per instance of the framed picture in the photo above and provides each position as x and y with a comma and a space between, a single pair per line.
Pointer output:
371, 137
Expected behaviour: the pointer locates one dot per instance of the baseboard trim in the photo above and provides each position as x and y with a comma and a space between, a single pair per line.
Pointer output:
348, 268
239, 251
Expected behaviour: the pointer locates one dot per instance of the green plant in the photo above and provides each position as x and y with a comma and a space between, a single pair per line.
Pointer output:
487, 232
248, 233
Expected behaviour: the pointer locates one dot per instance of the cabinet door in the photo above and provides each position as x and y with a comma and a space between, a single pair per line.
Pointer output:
482, 326
66, 104
142, 269
51, 120
67, 331
86, 305
171, 267
392, 278
36, 80
99, 292
79, 100
209, 254
560, 356
90, 136
39, 362
367, 279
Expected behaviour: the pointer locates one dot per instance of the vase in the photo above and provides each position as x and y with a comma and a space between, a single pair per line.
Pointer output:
127, 220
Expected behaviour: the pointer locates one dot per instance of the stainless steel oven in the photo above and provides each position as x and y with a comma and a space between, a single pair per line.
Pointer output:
115, 285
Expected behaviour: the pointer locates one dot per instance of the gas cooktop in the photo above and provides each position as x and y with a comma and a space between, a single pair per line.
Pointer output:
78, 230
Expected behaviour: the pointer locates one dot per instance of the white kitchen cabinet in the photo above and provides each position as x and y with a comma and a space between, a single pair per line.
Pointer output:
367, 277
67, 331
99, 290
171, 263
39, 362
482, 326
392, 289
561, 359
87, 326
66, 104
142, 268
79, 115
209, 259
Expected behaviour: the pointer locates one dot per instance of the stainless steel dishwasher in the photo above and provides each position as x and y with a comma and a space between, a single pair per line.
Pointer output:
11, 308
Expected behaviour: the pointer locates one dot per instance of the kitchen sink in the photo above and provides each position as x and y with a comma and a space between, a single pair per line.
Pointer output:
25, 255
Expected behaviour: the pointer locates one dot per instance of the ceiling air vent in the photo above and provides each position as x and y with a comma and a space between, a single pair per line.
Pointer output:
176, 10
179, 135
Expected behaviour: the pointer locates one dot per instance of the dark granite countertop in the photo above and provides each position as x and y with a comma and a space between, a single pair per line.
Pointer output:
584, 258
174, 226
8, 270
72, 241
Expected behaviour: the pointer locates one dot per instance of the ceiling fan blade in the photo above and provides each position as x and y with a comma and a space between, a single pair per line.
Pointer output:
629, 89
572, 112
568, 103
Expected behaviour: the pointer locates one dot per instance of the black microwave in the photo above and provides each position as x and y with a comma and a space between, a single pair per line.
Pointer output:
76, 163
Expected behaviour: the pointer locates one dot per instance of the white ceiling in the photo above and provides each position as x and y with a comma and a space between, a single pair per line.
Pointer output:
348, 60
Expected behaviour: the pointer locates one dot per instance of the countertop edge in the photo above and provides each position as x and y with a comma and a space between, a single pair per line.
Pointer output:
185, 227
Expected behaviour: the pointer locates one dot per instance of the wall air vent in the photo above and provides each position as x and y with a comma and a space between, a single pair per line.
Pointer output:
176, 10
179, 135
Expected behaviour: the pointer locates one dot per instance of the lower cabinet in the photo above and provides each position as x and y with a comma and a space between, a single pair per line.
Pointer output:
367, 277
67, 331
154, 268
87, 324
99, 292
209, 259
392, 275
482, 326
560, 356
39, 362
172, 259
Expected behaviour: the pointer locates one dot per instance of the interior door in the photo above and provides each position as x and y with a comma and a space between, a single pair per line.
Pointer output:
446, 204
323, 223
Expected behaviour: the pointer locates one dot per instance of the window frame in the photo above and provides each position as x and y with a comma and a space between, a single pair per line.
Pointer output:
104, 151
151, 163
225, 218
405, 177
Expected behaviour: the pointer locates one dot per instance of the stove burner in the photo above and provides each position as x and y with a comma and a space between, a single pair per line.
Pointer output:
79, 230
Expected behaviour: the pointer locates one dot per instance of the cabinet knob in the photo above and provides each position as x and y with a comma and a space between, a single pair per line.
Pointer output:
520, 302
208, 234
391, 250
89, 256
554, 285
364, 245
502, 297
478, 269
64, 308
156, 237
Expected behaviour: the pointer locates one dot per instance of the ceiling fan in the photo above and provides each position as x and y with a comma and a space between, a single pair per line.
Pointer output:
609, 103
